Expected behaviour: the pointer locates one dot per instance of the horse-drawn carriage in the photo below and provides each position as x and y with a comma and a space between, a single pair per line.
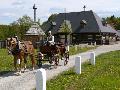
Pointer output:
47, 52
53, 53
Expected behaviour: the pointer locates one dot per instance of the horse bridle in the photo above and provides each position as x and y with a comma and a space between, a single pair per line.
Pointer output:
10, 44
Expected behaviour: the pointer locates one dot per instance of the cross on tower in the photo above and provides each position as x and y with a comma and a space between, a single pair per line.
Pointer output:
34, 7
84, 7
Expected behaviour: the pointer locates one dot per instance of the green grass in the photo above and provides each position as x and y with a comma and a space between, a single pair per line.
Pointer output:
6, 61
74, 51
105, 75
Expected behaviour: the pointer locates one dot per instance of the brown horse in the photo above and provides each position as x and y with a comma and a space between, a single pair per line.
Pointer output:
25, 48
64, 52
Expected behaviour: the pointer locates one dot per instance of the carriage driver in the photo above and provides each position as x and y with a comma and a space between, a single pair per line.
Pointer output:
50, 38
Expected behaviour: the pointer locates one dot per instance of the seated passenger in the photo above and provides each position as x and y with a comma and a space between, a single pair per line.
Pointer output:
50, 39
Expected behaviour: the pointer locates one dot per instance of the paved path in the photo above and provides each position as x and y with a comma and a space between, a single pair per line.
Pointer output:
27, 80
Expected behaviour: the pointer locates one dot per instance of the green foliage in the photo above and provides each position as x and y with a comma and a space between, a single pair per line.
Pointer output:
114, 21
24, 20
77, 49
6, 61
105, 75
52, 17
7, 31
23, 23
38, 22
3, 29
65, 27
47, 24
18, 28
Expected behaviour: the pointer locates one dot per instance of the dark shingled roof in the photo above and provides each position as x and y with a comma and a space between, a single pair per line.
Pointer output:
93, 22
35, 30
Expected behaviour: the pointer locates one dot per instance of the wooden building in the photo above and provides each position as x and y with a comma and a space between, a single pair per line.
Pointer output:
34, 34
86, 27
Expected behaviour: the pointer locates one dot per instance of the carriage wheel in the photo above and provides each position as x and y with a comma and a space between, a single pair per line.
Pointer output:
66, 58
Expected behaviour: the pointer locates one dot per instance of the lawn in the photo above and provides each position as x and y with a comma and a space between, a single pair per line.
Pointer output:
74, 50
6, 61
105, 75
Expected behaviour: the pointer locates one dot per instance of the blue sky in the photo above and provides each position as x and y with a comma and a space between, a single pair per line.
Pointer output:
11, 10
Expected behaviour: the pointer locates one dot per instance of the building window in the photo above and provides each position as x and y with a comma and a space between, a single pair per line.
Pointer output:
83, 23
53, 23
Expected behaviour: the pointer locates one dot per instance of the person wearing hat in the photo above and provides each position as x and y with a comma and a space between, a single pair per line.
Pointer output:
50, 38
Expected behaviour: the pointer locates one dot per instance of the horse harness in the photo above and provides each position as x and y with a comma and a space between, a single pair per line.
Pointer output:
17, 49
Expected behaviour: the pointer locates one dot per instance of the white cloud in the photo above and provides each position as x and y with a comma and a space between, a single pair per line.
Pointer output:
18, 8
19, 2
9, 15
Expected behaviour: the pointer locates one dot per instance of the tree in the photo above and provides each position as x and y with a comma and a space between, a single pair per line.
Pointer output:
114, 22
111, 20
4, 32
22, 25
65, 27
38, 22
52, 17
24, 20
47, 24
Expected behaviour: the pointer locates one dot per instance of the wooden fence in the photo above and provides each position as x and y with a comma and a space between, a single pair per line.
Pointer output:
2, 44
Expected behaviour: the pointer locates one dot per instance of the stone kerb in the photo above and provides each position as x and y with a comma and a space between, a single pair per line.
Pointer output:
78, 65
41, 79
92, 58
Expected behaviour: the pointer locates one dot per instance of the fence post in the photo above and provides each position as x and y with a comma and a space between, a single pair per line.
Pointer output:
41, 79
94, 43
92, 58
78, 65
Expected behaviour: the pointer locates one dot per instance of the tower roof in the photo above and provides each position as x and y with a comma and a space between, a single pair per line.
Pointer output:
35, 30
